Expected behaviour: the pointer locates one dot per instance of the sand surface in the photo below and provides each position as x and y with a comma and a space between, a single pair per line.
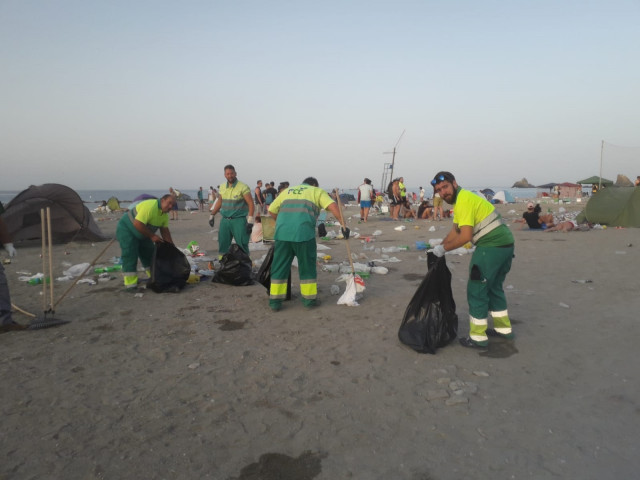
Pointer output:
209, 383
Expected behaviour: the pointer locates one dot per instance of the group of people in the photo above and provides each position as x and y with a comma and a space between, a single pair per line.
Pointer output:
535, 220
295, 211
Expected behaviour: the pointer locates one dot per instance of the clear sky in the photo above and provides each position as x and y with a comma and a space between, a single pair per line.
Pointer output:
149, 94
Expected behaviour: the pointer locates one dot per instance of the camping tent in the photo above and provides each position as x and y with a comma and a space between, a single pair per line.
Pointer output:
614, 206
503, 197
595, 180
70, 218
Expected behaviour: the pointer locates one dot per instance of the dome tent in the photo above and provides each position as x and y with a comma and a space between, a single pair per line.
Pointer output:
70, 218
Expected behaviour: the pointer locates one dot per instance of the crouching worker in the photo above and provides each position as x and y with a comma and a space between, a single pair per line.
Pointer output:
136, 233
476, 220
296, 211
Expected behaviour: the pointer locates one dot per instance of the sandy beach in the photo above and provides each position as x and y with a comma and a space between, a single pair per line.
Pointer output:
209, 383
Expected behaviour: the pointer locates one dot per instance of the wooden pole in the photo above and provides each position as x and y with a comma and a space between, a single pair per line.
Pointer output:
353, 270
50, 258
44, 260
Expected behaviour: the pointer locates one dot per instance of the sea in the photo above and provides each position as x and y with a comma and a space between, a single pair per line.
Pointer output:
94, 198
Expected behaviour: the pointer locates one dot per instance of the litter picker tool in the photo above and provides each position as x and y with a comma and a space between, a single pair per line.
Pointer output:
355, 283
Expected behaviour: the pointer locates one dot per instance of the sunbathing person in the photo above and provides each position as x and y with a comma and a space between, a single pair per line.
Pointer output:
565, 226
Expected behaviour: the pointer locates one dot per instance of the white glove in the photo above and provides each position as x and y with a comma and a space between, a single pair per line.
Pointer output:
10, 249
250, 219
439, 250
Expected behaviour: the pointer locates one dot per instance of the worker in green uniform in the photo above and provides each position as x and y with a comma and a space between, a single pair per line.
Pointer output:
296, 211
236, 207
476, 220
136, 233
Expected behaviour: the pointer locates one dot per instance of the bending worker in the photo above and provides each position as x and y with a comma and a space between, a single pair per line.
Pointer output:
236, 206
136, 234
476, 220
296, 211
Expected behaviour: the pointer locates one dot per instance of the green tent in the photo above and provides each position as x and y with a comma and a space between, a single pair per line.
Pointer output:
614, 206
595, 179
114, 204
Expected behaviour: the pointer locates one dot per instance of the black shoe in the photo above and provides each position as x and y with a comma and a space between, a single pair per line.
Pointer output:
491, 332
11, 327
467, 342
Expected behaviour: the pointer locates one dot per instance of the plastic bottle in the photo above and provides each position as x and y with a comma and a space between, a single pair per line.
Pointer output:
37, 281
113, 268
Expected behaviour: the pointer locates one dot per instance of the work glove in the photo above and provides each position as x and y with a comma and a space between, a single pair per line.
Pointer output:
439, 250
345, 232
249, 225
322, 230
10, 249
212, 220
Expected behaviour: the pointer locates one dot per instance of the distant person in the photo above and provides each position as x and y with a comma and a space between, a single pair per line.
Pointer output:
424, 210
6, 320
565, 226
270, 194
174, 210
476, 220
403, 189
531, 217
201, 199
637, 182
422, 194
296, 212
258, 198
136, 233
437, 207
236, 207
366, 196
395, 198
406, 211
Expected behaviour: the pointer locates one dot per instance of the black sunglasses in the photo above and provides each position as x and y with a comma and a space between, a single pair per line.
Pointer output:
439, 178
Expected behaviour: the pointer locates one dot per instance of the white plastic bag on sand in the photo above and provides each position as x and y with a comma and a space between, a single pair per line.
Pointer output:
320, 246
355, 285
400, 228
432, 228
380, 270
76, 270
358, 281
376, 233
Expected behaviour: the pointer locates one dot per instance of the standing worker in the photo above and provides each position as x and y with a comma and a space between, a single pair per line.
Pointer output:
476, 220
296, 212
6, 321
236, 207
136, 233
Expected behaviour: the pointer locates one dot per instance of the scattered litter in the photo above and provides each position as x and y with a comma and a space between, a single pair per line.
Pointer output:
380, 270
376, 233
620, 252
320, 246
139, 295
421, 245
330, 268
432, 228
335, 290
564, 305
400, 228
89, 281
582, 281
76, 270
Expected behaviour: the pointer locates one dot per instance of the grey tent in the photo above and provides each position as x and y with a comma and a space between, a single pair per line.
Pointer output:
70, 218
614, 206
595, 180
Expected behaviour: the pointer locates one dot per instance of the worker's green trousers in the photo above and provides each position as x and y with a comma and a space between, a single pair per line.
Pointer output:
133, 246
232, 228
487, 271
283, 254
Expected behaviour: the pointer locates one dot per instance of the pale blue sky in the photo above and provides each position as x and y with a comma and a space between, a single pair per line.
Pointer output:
148, 94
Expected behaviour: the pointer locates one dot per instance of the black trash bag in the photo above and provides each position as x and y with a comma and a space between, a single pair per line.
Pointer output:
235, 268
430, 320
322, 230
170, 269
264, 272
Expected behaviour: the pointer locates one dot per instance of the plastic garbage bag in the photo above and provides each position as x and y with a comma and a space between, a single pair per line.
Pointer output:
349, 296
264, 272
430, 320
170, 269
235, 268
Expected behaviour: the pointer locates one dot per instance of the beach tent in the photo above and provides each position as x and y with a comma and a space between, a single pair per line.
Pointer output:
614, 206
70, 218
595, 180
503, 197
114, 204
